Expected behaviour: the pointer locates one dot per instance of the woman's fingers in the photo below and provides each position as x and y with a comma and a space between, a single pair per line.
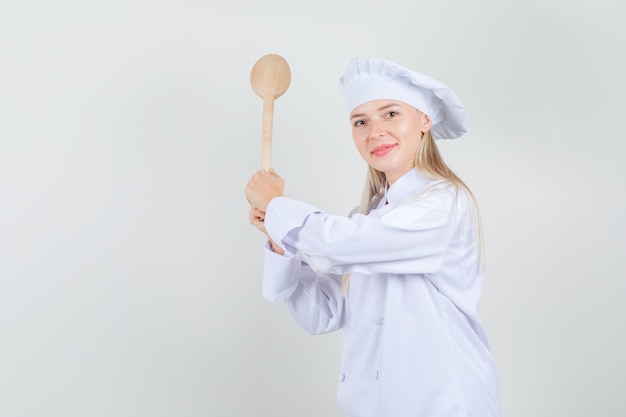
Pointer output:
256, 214
257, 218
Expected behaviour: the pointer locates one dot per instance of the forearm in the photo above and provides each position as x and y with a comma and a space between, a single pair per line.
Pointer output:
408, 239
314, 301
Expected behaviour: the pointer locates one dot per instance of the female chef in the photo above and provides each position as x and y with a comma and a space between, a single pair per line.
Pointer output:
402, 276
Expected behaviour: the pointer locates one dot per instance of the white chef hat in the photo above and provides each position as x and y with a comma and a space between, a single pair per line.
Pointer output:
373, 79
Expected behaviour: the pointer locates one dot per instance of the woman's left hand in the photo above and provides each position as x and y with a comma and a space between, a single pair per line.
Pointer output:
263, 187
256, 218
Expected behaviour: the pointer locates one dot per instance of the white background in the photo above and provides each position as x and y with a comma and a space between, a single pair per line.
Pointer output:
129, 276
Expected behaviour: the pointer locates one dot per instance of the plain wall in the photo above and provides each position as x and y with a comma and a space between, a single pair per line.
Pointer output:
130, 279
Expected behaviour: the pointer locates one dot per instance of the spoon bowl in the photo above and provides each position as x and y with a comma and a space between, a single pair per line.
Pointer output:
270, 76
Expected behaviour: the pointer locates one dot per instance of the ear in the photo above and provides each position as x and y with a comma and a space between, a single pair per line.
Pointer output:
426, 123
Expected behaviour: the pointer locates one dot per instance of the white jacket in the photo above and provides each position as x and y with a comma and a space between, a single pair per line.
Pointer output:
413, 344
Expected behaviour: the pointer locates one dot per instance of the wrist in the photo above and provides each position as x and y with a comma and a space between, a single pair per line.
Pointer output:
275, 248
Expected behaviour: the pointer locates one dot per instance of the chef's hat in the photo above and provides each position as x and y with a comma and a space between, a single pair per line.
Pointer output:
373, 79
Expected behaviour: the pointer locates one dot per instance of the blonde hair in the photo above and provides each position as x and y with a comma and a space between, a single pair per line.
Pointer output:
429, 161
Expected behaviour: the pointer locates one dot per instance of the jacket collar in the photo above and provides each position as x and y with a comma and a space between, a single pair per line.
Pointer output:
406, 186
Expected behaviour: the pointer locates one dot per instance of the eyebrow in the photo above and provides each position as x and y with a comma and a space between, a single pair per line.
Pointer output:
386, 106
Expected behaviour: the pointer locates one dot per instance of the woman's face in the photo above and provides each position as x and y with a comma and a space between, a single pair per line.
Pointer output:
387, 134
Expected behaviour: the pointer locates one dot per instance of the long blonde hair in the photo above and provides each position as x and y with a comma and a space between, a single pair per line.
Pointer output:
430, 162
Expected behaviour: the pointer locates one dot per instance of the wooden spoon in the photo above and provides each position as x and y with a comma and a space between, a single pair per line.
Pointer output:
270, 78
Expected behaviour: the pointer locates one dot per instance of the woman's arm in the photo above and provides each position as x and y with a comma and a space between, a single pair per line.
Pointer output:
315, 301
408, 238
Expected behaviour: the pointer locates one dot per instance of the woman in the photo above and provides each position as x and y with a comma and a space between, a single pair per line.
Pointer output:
402, 277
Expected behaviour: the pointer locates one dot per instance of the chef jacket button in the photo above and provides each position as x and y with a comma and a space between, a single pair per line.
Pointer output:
376, 375
380, 321
342, 377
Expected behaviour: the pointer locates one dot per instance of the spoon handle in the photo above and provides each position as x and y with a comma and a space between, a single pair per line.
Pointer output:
266, 139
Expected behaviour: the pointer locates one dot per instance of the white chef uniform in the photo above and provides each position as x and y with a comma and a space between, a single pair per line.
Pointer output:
412, 341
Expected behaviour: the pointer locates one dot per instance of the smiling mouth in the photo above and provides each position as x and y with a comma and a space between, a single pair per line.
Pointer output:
383, 150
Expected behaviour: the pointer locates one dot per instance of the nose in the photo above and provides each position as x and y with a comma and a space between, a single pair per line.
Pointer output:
376, 130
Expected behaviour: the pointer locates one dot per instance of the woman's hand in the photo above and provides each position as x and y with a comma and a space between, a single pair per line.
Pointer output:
260, 190
257, 219
263, 187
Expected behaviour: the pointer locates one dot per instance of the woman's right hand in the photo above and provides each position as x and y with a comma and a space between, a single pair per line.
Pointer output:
263, 187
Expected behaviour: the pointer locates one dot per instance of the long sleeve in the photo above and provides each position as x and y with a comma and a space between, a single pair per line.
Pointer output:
399, 238
314, 301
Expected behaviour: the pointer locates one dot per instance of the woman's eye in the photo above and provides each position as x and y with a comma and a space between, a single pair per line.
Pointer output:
359, 123
391, 114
